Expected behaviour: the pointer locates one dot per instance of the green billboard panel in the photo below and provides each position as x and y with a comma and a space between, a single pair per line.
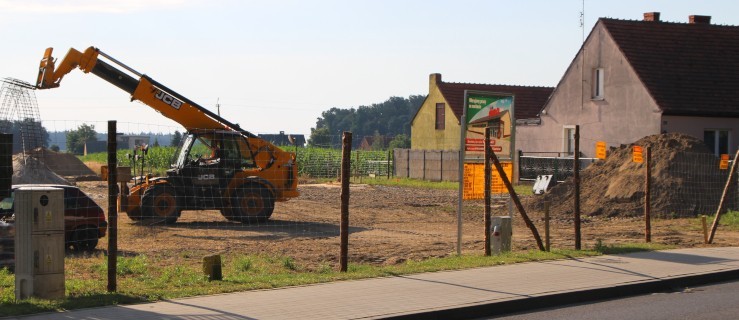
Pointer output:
494, 110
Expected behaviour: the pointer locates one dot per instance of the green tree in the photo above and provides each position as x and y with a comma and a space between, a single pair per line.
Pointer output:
77, 138
176, 139
390, 118
54, 148
400, 141
378, 141
156, 142
27, 134
319, 137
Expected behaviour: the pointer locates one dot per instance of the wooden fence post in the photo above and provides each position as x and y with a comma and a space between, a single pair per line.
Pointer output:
424, 165
112, 207
441, 165
6, 164
344, 226
516, 201
576, 173
488, 178
547, 240
722, 203
408, 164
388, 163
647, 197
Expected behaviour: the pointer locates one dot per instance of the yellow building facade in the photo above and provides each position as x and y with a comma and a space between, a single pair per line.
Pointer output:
424, 132
436, 125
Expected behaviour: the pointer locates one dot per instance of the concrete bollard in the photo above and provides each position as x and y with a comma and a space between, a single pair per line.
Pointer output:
501, 234
212, 267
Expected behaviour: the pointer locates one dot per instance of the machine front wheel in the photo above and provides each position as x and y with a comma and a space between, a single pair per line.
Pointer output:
160, 204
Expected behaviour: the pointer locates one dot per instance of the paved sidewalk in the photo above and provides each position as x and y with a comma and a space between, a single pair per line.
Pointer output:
450, 294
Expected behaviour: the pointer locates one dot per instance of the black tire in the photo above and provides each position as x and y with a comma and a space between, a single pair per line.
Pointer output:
135, 214
84, 239
250, 204
160, 204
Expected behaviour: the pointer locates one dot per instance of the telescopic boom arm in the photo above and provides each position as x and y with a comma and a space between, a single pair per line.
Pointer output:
145, 89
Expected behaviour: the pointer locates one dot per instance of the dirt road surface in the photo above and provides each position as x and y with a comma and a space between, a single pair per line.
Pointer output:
388, 225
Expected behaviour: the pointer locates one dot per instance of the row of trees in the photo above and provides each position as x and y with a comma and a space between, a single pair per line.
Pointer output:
30, 134
35, 134
391, 118
77, 138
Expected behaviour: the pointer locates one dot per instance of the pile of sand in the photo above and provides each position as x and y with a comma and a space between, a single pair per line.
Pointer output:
46, 166
66, 164
686, 181
30, 170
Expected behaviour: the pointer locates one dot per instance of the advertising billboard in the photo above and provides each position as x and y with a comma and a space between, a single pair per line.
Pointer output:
494, 110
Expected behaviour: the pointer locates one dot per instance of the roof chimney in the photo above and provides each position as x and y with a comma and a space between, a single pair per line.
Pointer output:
434, 79
696, 19
651, 16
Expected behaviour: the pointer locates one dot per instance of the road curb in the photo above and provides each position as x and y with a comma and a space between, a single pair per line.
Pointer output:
498, 308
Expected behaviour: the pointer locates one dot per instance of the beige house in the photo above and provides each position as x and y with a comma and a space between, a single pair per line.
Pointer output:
436, 125
637, 78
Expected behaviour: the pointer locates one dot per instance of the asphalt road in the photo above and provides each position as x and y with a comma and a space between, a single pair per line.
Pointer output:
718, 301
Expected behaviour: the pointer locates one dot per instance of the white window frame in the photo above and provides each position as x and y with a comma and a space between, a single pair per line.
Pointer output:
598, 84
715, 147
568, 140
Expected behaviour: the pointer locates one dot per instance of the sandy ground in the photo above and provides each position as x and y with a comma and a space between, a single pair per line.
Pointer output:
388, 225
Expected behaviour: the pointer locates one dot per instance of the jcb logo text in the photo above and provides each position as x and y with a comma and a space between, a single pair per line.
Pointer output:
168, 99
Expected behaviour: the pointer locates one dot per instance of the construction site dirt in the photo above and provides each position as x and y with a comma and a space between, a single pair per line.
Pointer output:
388, 225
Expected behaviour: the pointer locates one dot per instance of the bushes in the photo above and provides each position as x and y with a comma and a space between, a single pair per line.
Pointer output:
326, 162
312, 162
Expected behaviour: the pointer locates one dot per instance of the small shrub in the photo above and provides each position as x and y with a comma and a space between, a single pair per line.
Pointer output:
242, 264
599, 246
325, 268
289, 264
136, 265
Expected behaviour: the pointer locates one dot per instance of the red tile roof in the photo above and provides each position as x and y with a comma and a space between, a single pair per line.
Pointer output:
528, 101
689, 69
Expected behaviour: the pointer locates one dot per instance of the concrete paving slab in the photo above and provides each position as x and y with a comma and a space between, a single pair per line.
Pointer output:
449, 294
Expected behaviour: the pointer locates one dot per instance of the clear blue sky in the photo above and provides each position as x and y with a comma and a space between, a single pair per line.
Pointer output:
276, 65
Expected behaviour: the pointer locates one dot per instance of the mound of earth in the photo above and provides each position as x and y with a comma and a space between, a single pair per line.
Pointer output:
685, 181
66, 164
46, 166
29, 170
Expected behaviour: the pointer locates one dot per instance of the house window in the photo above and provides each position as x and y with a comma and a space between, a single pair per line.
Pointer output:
717, 140
440, 107
569, 140
598, 76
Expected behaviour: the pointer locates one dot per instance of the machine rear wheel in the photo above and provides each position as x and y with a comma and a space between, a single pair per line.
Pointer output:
250, 204
160, 204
